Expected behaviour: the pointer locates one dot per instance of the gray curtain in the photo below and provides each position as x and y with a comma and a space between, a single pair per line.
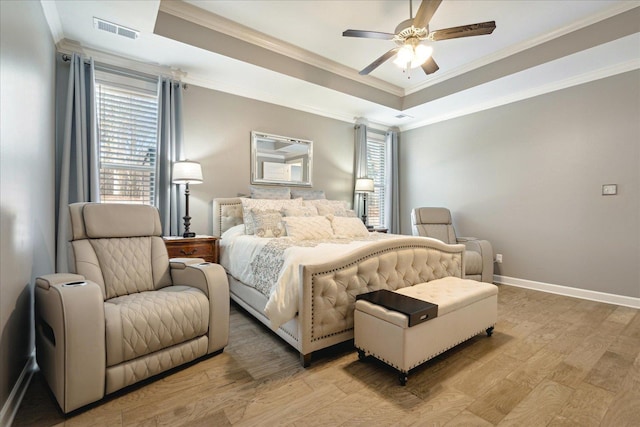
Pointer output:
170, 129
392, 195
77, 169
360, 166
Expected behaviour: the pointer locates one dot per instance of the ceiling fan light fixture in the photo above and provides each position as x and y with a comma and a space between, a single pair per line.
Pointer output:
412, 56
404, 56
422, 53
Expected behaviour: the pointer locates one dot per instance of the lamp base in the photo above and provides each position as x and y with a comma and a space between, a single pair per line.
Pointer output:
189, 234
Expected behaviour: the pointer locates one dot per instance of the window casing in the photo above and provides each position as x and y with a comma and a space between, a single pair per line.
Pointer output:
127, 110
377, 166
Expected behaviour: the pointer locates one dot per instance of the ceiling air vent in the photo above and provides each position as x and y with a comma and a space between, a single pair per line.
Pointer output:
112, 28
403, 116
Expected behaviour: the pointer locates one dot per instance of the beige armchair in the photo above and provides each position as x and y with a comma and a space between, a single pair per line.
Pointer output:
436, 223
128, 312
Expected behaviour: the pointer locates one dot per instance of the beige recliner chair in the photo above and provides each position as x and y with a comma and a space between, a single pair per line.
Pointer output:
437, 223
129, 313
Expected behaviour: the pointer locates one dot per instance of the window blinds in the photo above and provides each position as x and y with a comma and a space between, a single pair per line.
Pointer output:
127, 132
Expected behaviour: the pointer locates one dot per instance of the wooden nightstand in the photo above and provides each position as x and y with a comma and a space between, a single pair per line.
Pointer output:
379, 230
205, 247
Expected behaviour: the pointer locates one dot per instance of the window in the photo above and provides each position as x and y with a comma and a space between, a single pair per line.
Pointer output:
377, 159
127, 111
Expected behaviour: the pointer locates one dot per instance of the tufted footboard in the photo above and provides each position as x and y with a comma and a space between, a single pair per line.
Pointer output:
327, 300
329, 290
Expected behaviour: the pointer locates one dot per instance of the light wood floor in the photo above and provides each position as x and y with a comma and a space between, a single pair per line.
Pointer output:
552, 361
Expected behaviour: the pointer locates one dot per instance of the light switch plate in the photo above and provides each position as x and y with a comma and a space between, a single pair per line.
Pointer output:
609, 189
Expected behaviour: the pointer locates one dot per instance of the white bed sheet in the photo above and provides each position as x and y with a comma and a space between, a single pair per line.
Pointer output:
237, 250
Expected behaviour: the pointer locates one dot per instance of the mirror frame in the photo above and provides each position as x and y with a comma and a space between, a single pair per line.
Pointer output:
257, 177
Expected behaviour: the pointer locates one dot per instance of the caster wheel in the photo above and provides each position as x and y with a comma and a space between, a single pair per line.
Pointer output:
402, 377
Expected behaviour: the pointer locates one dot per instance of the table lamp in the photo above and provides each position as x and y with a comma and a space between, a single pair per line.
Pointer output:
187, 172
364, 186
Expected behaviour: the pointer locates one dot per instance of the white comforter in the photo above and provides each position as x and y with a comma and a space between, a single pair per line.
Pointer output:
237, 250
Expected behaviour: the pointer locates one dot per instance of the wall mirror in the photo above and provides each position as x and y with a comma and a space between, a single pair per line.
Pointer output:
280, 160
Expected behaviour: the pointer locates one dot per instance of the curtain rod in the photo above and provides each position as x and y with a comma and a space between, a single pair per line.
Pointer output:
120, 70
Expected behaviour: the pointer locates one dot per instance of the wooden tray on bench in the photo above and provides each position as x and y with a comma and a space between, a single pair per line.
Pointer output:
416, 310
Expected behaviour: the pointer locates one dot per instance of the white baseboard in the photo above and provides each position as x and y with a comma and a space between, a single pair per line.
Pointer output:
10, 407
568, 291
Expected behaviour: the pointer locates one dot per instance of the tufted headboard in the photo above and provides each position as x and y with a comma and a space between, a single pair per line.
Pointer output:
227, 212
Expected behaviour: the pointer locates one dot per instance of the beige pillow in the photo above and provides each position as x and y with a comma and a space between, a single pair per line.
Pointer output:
308, 227
348, 227
301, 211
263, 205
333, 207
267, 223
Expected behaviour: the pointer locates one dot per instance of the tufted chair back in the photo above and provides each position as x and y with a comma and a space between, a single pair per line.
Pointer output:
433, 222
119, 247
436, 223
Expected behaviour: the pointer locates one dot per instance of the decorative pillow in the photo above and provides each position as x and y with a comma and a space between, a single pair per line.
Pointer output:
348, 227
301, 211
267, 223
308, 227
236, 230
307, 194
270, 193
262, 205
334, 207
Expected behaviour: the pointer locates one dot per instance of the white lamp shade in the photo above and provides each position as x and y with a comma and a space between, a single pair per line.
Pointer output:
187, 172
364, 185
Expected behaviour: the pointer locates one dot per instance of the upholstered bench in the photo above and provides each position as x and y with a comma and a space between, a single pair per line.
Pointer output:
465, 308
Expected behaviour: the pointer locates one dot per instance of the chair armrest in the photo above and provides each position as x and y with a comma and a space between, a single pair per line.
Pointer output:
465, 239
486, 252
48, 280
70, 343
182, 263
212, 280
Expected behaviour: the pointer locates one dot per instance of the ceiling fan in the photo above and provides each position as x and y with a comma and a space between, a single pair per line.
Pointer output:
410, 33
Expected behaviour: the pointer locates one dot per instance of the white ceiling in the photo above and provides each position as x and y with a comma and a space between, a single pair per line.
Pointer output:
311, 31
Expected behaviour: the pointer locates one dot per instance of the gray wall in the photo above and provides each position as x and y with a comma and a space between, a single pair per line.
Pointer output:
26, 177
527, 176
217, 133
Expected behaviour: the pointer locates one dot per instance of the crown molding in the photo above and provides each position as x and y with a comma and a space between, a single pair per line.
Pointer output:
67, 46
53, 20
272, 98
520, 47
233, 29
601, 73
262, 95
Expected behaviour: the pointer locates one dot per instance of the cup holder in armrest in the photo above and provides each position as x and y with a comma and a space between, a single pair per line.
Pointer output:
73, 284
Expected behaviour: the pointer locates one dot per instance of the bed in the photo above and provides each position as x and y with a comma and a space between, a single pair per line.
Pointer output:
314, 308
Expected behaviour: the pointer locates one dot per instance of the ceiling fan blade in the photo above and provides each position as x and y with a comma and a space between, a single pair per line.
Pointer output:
425, 13
430, 66
375, 64
463, 31
368, 34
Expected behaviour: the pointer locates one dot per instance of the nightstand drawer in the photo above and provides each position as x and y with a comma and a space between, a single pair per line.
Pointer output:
205, 247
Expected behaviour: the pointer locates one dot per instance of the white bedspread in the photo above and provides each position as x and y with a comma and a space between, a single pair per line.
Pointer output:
237, 251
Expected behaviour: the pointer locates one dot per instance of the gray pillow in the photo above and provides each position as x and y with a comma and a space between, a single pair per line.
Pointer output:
270, 193
307, 194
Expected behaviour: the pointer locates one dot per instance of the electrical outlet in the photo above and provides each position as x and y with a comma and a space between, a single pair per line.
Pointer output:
499, 258
609, 190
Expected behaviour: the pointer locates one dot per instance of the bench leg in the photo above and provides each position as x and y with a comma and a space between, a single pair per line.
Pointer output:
490, 331
305, 360
361, 355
